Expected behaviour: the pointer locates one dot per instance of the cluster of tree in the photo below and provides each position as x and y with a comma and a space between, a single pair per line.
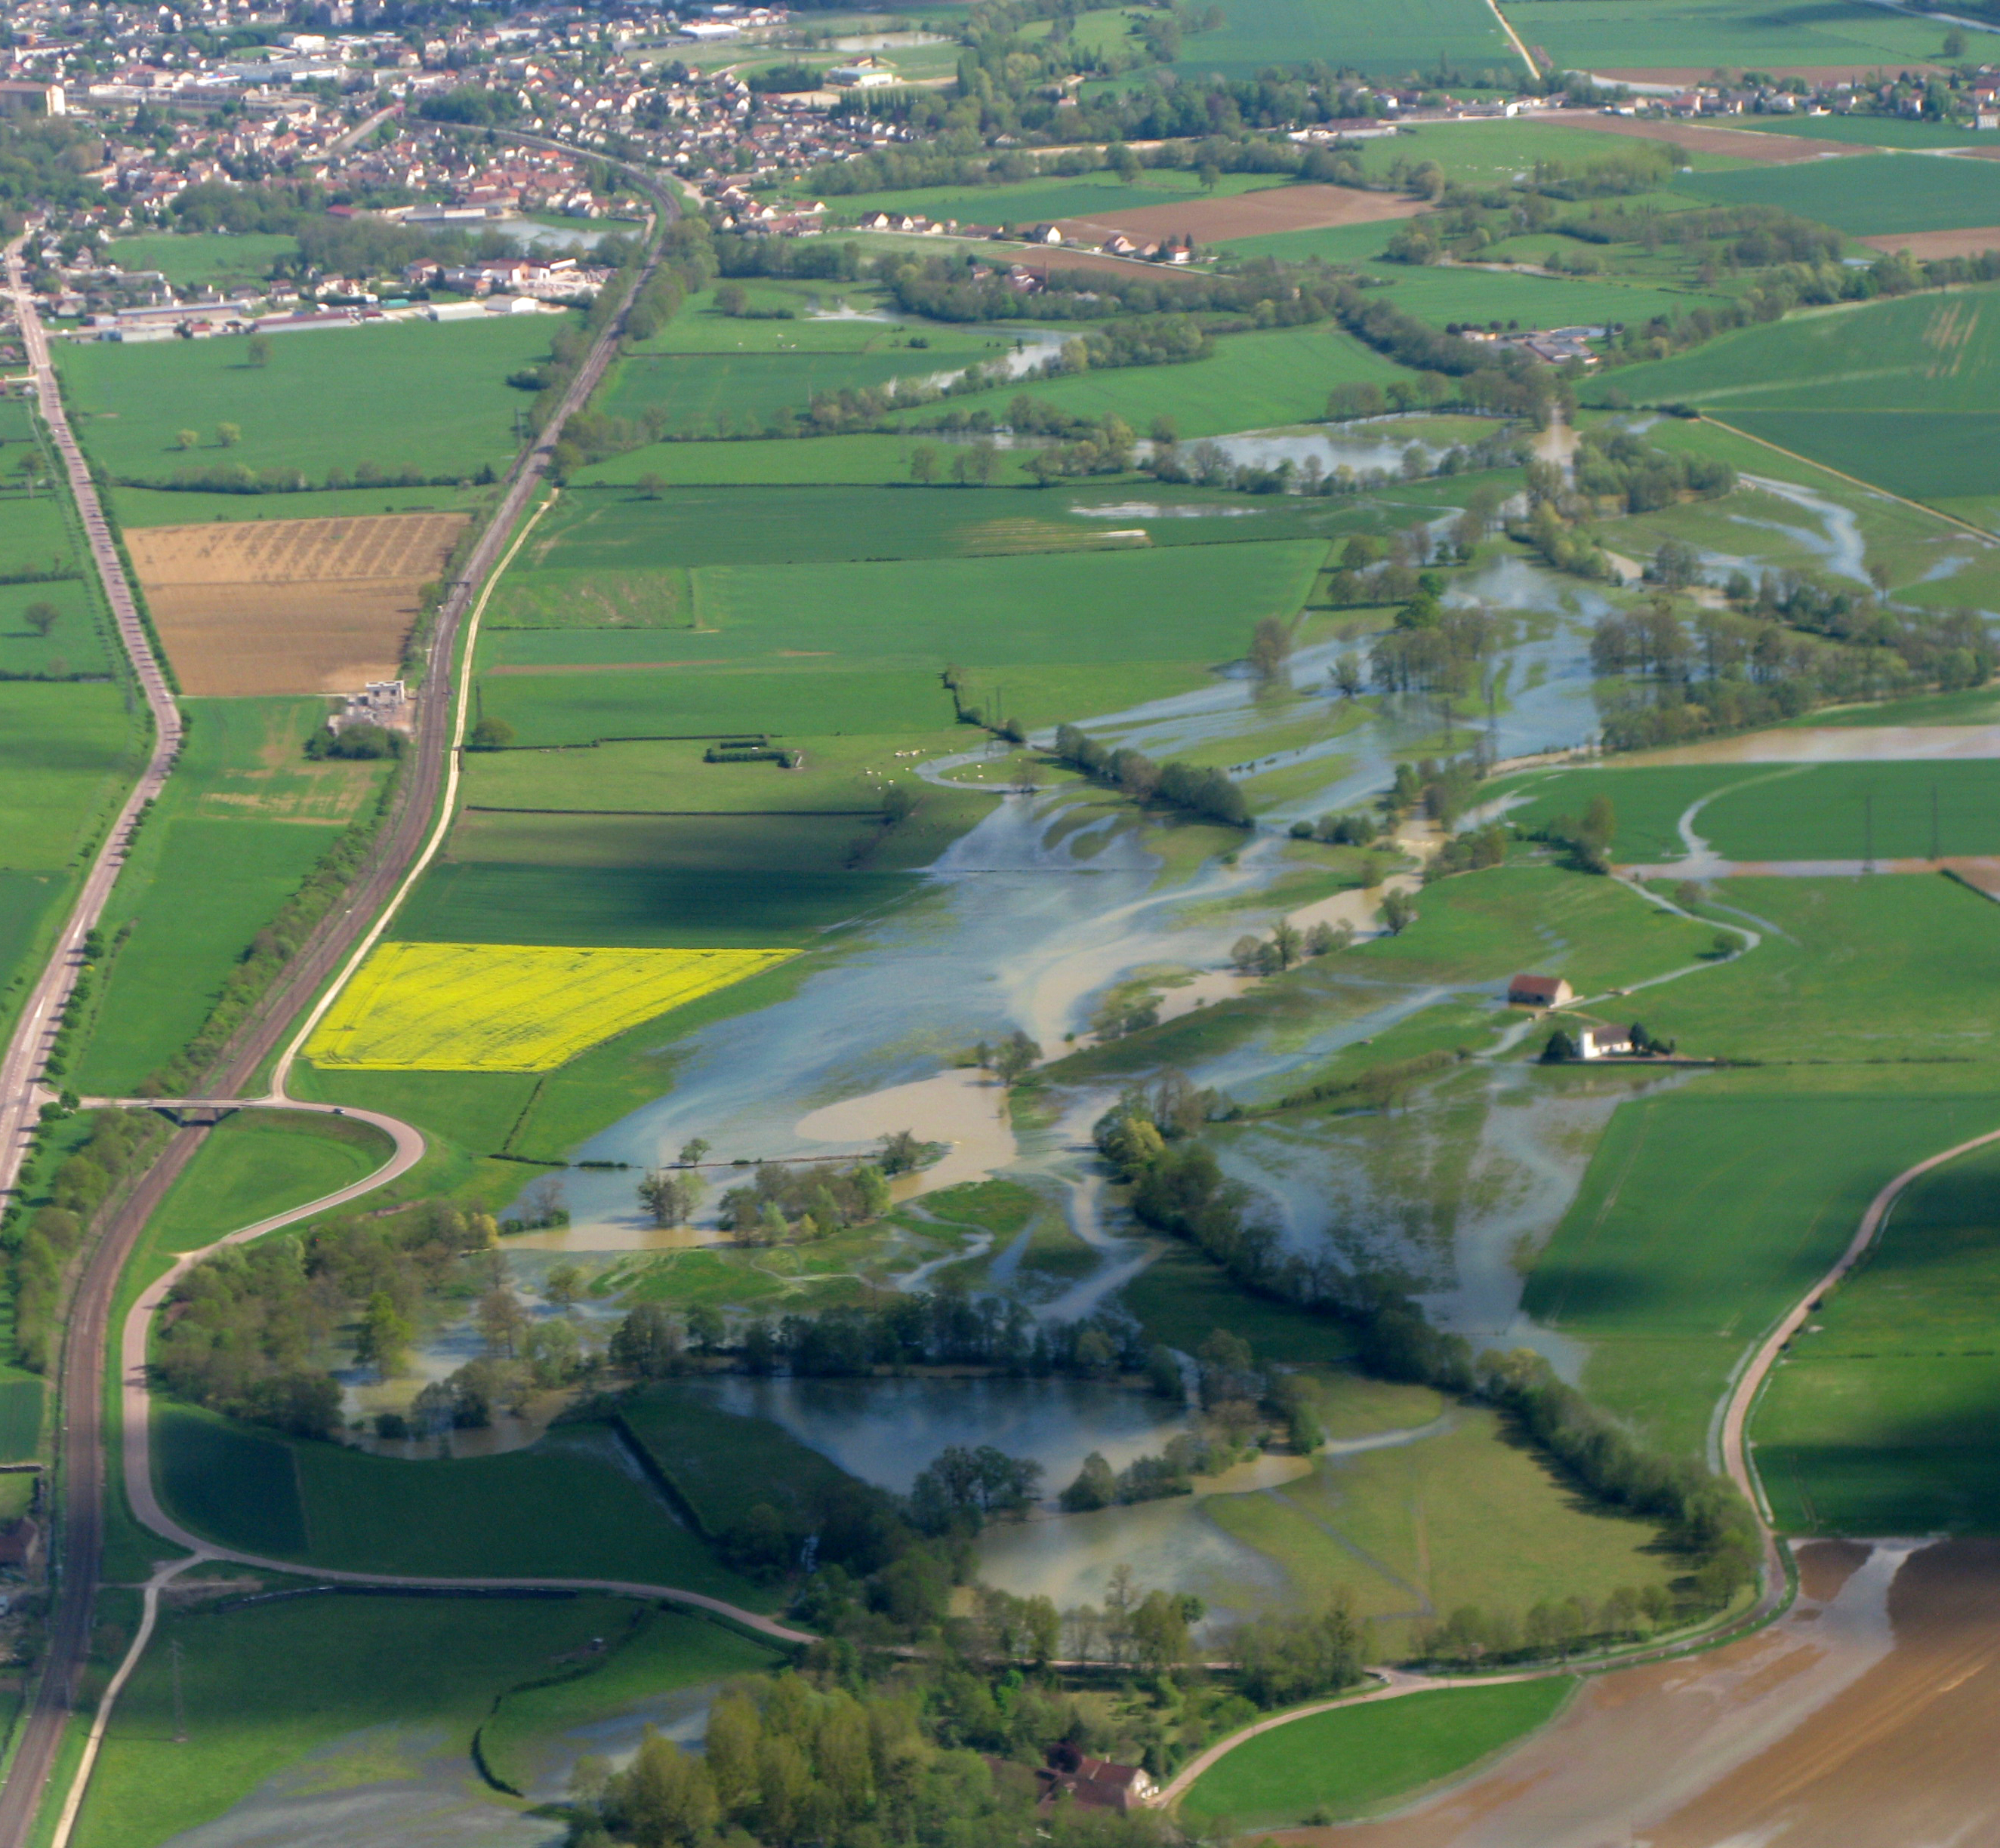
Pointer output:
265, 955
802, 1200
1433, 647
239, 478
1280, 1661
1287, 944
942, 1328
1472, 1638
1705, 1516
242, 1326
46, 162
1355, 828
1146, 1479
1011, 1059
45, 1238
961, 1489
1586, 839
1443, 788
792, 1760
1613, 465
1787, 643
354, 743
1470, 851
1201, 790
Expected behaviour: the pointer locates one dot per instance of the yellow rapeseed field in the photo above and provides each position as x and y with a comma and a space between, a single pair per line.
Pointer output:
509, 1007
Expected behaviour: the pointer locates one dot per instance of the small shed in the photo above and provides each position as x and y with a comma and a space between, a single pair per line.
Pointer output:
1539, 991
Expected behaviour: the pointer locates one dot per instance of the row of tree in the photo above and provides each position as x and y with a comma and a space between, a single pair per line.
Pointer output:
1201, 789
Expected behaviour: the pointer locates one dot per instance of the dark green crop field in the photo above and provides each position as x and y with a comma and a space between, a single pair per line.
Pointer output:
1884, 1418
1867, 195
1706, 1212
432, 396
1694, 35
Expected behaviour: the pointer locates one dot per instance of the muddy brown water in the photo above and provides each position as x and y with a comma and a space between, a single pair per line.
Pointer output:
1868, 1717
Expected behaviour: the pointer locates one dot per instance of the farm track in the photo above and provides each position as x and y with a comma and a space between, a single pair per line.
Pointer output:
76, 1543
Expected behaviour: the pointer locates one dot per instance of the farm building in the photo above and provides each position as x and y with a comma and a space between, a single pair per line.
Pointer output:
1604, 1042
1539, 991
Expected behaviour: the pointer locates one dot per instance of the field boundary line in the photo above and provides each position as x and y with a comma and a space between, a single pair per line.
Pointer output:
1778, 448
283, 1071
1514, 39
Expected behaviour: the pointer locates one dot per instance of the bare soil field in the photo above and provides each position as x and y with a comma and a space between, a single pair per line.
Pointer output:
288, 606
1927, 246
1250, 214
1746, 145
1865, 1719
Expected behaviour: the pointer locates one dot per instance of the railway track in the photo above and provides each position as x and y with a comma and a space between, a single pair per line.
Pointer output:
76, 1545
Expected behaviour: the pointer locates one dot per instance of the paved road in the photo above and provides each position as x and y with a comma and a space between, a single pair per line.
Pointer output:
21, 1096
80, 1462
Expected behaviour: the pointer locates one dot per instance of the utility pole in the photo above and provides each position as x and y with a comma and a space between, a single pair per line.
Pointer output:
1936, 851
1868, 834
180, 1709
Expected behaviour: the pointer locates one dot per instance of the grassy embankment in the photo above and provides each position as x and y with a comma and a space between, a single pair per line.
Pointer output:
1332, 1766
354, 1697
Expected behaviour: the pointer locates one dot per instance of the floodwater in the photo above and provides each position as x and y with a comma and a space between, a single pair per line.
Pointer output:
886, 1430
1864, 1719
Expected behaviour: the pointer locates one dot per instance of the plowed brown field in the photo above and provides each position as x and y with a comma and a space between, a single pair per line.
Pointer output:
1866, 1719
1745, 143
1927, 247
288, 606
1250, 214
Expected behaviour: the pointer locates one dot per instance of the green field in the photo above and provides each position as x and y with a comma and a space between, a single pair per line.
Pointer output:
1441, 296
610, 557
243, 821
1881, 1418
1895, 392
35, 535
801, 650
1706, 1213
722, 1465
259, 1163
739, 394
67, 754
1880, 969
174, 506
1414, 1521
1353, 1760
427, 396
362, 1701
1695, 36
1869, 131
1482, 926
1033, 202
1250, 381
775, 462
219, 258
1896, 810
1866, 195
565, 1507
1378, 41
